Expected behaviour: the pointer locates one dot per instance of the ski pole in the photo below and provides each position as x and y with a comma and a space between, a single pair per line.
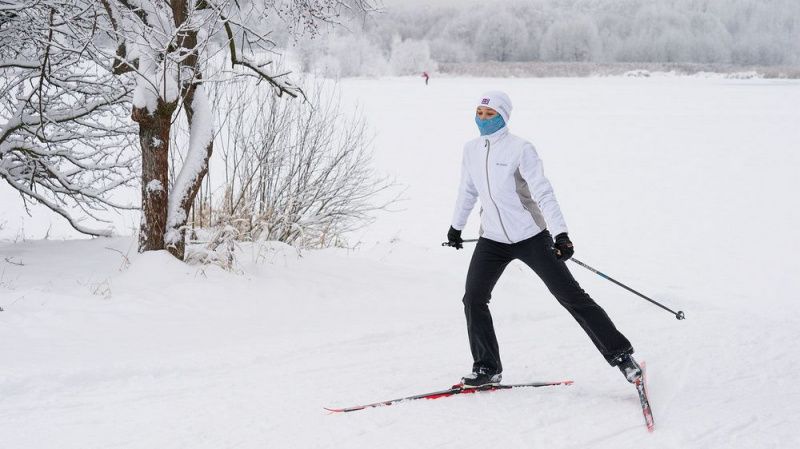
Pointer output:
679, 314
463, 241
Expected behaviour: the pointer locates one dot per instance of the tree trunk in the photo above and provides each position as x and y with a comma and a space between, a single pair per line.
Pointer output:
154, 130
186, 203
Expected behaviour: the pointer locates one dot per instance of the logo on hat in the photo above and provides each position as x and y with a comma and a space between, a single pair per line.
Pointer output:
485, 101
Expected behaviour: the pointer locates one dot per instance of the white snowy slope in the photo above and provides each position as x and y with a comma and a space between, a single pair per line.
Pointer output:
684, 188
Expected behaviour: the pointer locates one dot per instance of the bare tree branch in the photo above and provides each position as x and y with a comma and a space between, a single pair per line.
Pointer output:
306, 184
64, 140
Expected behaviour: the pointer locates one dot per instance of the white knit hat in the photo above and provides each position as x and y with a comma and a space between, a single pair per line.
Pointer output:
498, 101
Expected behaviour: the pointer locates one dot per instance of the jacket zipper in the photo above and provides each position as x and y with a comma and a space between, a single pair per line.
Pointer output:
488, 187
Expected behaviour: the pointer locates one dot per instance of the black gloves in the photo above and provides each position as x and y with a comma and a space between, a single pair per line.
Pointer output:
454, 238
563, 247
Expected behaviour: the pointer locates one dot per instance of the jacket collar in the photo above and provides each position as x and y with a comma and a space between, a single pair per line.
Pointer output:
497, 135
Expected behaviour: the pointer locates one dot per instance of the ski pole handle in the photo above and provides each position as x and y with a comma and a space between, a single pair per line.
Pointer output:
463, 241
679, 314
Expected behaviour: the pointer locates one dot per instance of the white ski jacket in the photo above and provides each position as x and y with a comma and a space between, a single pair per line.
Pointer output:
517, 201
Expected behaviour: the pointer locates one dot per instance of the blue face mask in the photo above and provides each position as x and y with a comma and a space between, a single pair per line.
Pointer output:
491, 125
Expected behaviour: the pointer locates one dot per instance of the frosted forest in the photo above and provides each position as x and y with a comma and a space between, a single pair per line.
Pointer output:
410, 37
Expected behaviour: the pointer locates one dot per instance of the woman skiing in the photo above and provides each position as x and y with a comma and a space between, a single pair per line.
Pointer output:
517, 209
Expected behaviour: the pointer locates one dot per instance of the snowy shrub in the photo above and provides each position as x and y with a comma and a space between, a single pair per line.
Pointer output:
217, 247
294, 172
638, 74
743, 75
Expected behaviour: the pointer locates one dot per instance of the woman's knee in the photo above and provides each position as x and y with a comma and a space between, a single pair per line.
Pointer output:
476, 298
572, 295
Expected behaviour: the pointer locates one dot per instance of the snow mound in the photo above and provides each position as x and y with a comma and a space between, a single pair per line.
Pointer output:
153, 269
253, 254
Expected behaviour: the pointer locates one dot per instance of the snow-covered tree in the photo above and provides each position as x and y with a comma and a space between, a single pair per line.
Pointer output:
68, 65
164, 45
410, 57
659, 34
454, 38
445, 49
571, 39
536, 16
501, 36
343, 55
65, 139
766, 33
711, 41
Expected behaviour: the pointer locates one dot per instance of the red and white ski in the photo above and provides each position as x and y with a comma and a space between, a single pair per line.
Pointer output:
641, 388
452, 391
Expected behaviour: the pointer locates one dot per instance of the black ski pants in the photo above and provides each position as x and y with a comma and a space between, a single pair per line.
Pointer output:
488, 262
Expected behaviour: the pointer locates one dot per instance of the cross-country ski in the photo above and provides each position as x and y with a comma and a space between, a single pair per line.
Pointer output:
641, 390
452, 391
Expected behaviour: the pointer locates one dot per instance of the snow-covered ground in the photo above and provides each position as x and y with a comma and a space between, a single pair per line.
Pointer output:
685, 188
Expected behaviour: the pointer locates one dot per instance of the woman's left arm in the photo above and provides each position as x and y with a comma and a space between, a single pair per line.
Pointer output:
532, 170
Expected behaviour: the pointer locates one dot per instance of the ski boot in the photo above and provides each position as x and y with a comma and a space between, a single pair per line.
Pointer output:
481, 377
629, 368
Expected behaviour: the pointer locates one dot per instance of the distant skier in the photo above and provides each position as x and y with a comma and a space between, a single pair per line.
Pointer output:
426, 76
517, 207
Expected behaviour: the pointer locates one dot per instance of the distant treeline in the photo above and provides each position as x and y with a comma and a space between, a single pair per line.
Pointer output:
541, 69
411, 38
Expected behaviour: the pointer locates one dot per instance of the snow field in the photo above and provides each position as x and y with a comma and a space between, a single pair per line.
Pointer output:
683, 188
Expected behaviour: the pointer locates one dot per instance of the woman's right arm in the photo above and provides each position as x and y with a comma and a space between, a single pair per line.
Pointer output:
467, 195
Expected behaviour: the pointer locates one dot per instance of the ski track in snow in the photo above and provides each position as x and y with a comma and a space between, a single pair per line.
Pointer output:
679, 187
